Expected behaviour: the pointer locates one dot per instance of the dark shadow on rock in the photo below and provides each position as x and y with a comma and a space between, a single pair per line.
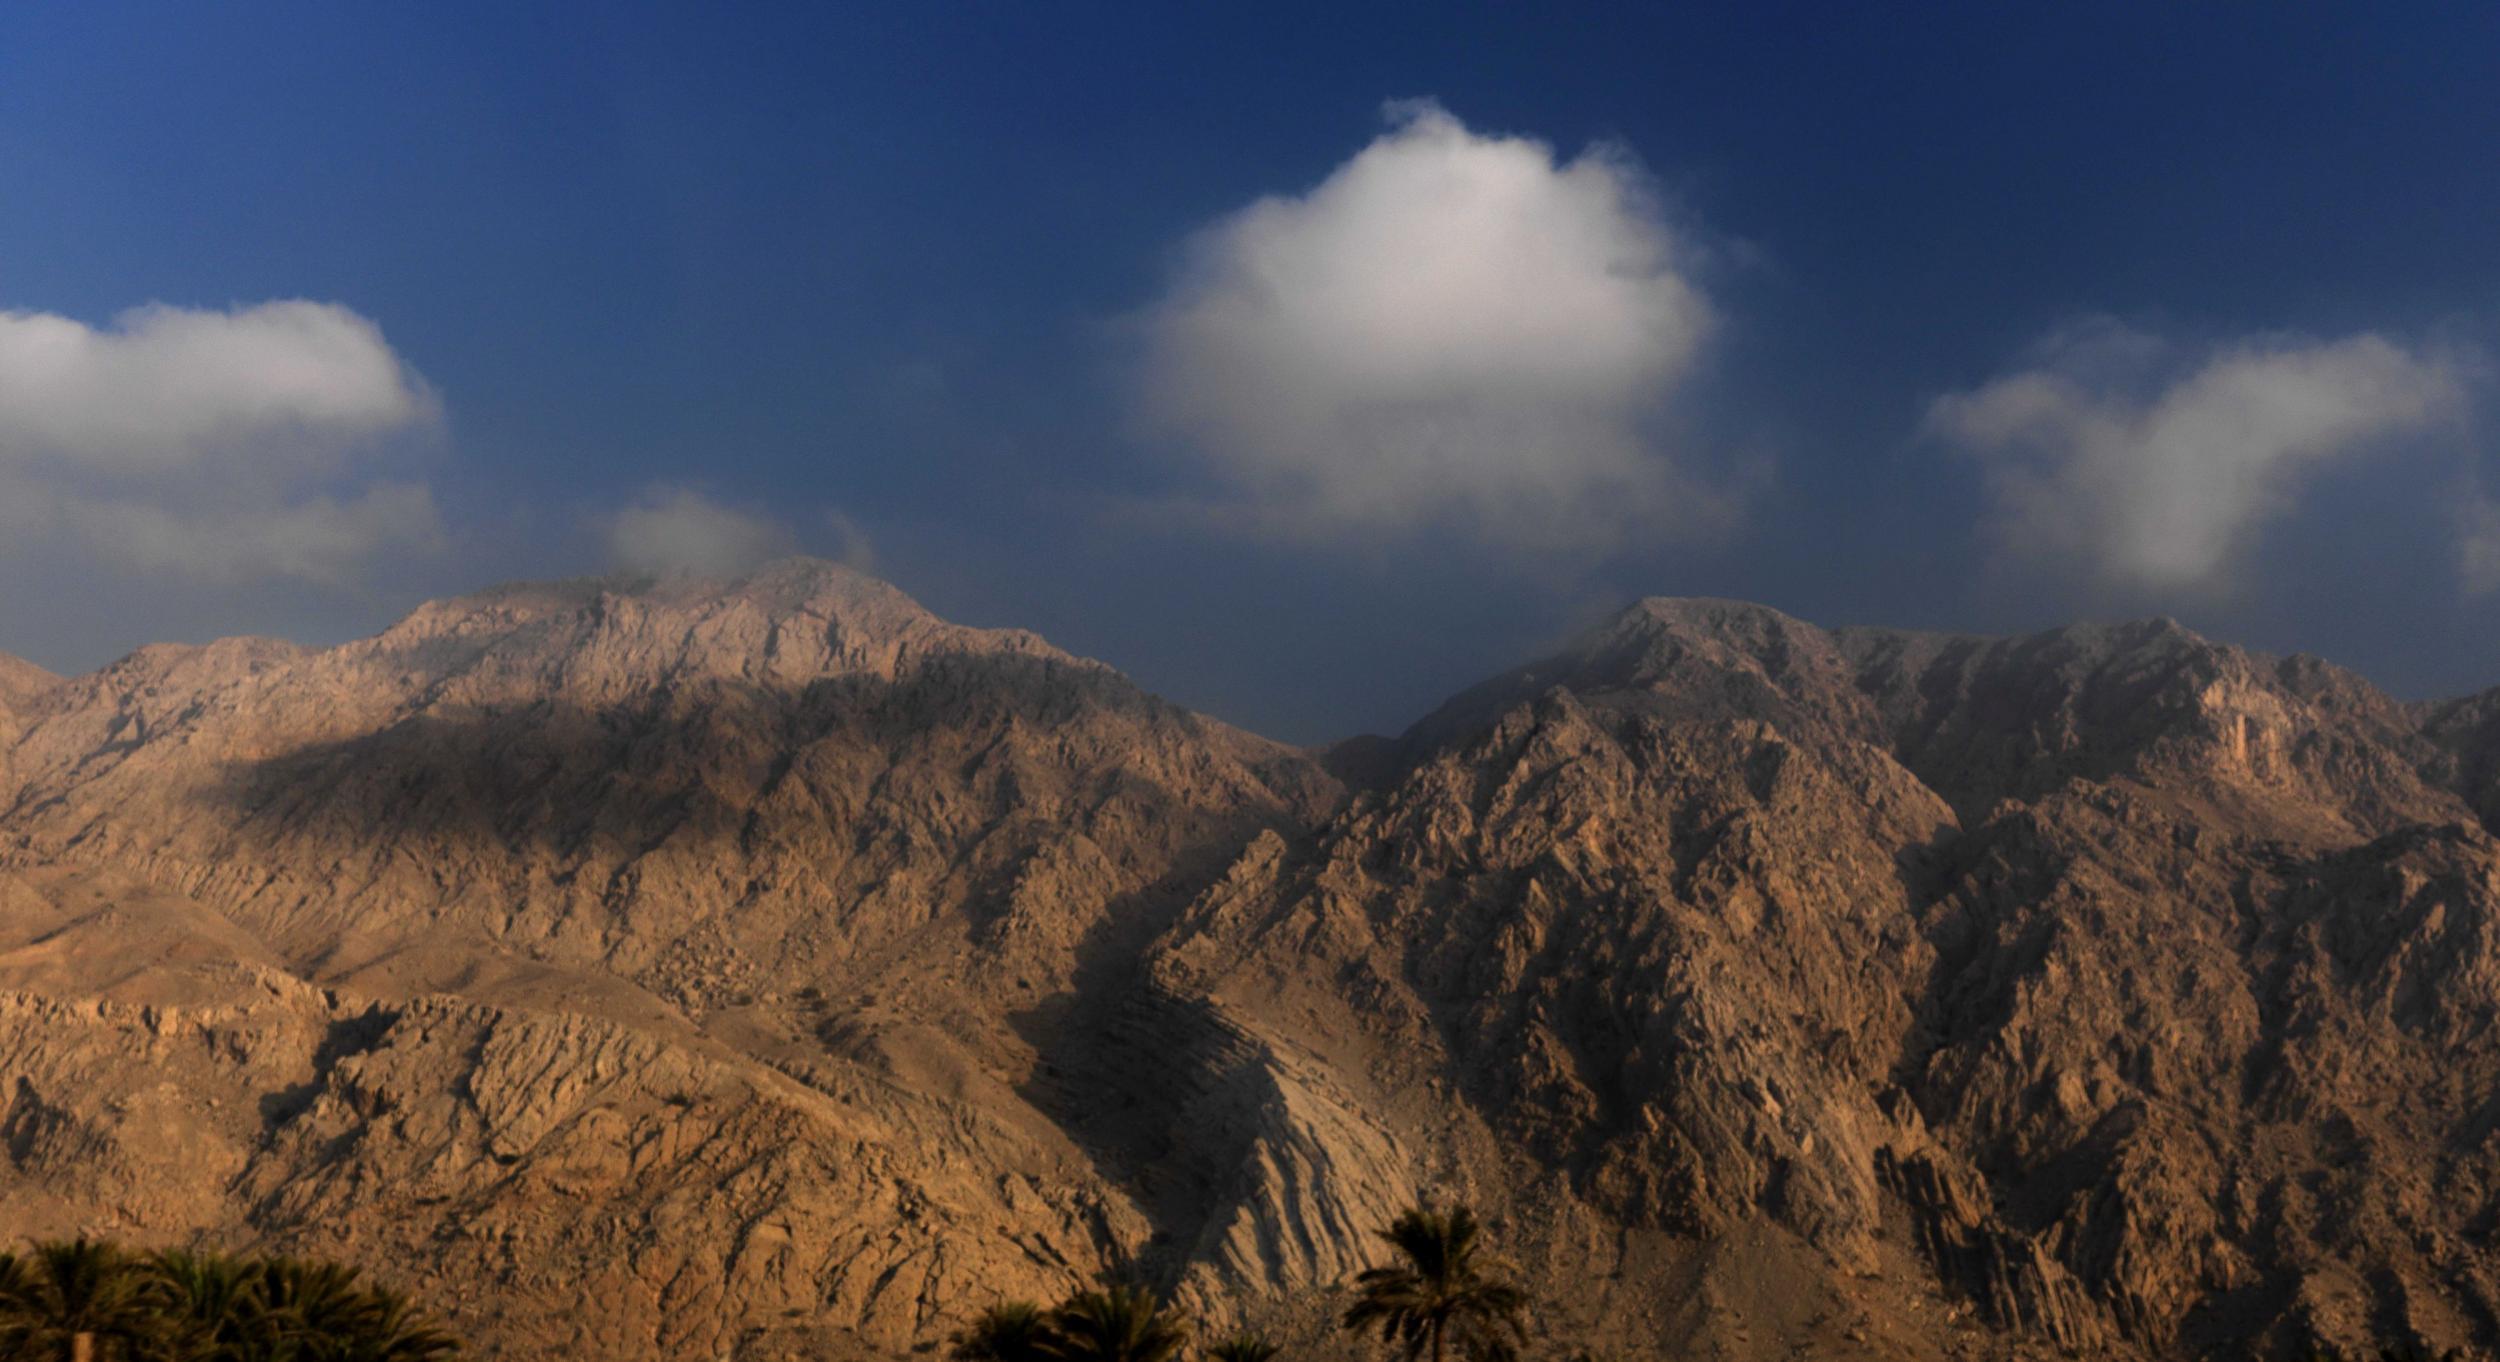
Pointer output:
348, 1036
1133, 1072
533, 817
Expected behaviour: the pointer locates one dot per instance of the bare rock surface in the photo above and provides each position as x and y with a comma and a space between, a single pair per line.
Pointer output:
773, 970
22, 683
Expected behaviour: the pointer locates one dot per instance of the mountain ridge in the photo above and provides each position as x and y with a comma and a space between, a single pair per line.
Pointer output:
22, 681
791, 972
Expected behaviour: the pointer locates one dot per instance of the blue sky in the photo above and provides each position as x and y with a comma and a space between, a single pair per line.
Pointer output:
1976, 317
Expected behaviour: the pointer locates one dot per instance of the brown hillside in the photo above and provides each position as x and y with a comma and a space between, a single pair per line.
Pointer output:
775, 970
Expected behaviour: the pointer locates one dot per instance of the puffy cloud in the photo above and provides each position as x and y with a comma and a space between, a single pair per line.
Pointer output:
230, 445
2156, 467
164, 387
678, 532
1451, 330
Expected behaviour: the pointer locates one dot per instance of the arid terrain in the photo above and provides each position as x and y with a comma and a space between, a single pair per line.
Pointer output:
774, 970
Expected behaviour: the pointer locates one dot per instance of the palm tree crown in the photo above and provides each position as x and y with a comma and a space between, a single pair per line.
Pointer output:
84, 1299
1012, 1331
1121, 1324
85, 1290
331, 1315
1243, 1348
1443, 1290
220, 1298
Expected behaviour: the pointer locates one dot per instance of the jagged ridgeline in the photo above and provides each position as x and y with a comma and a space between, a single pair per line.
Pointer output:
772, 969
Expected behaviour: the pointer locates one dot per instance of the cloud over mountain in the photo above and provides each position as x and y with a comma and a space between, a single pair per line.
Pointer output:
1453, 330
2154, 466
237, 445
679, 532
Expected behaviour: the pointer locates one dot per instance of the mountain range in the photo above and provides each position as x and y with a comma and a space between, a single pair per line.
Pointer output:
771, 969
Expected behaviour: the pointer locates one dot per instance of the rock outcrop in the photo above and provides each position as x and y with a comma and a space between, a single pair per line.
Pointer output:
774, 970
22, 683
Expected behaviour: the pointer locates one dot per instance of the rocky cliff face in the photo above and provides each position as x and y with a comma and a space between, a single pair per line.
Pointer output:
710, 955
2139, 985
21, 684
774, 970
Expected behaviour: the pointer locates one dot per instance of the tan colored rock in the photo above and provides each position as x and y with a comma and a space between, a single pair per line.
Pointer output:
772, 970
22, 681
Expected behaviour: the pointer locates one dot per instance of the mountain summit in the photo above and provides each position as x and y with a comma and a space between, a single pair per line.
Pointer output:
772, 969
22, 681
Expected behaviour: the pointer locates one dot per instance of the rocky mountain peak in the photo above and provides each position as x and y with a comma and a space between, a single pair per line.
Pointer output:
769, 968
2286, 740
21, 681
1693, 656
587, 764
1980, 719
789, 623
780, 589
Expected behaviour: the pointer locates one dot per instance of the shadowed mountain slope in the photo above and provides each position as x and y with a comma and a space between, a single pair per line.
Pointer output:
2138, 987
771, 969
772, 898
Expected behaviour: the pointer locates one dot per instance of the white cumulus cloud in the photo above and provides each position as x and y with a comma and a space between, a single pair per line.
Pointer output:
2156, 467
164, 387
1452, 330
238, 444
678, 532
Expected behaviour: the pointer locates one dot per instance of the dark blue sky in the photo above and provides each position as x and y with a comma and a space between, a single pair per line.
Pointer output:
889, 262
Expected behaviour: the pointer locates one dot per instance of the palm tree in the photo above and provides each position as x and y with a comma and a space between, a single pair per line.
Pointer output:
1011, 1331
88, 1302
222, 1300
18, 1296
321, 1312
1443, 1291
1243, 1348
1119, 1324
83, 1301
392, 1331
